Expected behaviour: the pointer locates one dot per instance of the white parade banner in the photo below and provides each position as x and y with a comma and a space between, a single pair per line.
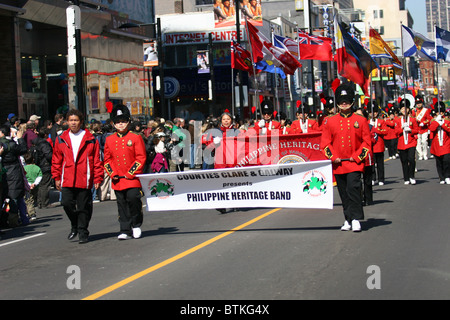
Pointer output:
294, 185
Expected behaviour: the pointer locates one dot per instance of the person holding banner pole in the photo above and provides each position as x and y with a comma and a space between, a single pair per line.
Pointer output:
125, 157
346, 142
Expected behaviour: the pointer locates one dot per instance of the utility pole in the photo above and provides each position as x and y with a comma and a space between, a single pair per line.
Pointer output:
162, 89
79, 74
238, 39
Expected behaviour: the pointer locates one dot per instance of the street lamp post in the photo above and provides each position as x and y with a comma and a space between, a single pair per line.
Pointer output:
79, 84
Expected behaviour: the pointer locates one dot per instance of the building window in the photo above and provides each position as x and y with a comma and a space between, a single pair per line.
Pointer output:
203, 2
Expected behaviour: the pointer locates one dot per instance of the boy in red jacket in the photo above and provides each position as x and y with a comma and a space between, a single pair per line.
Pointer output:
346, 142
440, 145
125, 157
407, 130
76, 167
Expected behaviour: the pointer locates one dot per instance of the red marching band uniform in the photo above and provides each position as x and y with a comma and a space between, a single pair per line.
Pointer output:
352, 128
127, 161
440, 144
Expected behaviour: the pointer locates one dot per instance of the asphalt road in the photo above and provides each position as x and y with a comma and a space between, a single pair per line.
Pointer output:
403, 252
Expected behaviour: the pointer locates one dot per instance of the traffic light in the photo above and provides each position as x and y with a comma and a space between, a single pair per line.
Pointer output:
391, 75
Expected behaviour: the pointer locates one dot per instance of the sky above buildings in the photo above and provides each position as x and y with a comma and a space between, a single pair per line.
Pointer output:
418, 12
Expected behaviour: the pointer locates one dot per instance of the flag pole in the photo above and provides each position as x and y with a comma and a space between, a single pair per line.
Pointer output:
301, 71
258, 103
437, 63
233, 103
333, 49
405, 81
277, 99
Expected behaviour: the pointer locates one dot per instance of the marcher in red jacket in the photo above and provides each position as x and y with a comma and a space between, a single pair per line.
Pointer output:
440, 145
379, 129
266, 125
407, 130
390, 139
125, 157
423, 118
304, 123
346, 142
76, 168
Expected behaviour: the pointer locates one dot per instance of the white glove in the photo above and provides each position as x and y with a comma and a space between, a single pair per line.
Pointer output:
407, 129
217, 140
439, 117
441, 122
264, 130
262, 123
372, 123
421, 124
404, 125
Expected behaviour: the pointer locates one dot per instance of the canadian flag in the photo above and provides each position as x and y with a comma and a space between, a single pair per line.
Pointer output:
263, 49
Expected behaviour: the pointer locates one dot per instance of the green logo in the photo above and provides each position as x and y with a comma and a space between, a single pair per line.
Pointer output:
314, 185
161, 188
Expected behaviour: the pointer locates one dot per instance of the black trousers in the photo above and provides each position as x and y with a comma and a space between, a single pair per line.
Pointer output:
367, 185
408, 160
391, 145
350, 190
129, 204
443, 166
379, 165
45, 185
77, 204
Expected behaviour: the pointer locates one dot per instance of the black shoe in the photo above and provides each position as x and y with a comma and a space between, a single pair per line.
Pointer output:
83, 240
72, 235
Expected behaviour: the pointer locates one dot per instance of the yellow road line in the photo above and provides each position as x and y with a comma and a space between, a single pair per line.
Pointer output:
175, 258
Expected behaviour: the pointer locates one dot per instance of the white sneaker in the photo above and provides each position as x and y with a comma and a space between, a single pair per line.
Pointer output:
447, 180
413, 181
420, 158
137, 233
356, 226
391, 157
442, 182
406, 182
346, 226
123, 236
425, 158
381, 183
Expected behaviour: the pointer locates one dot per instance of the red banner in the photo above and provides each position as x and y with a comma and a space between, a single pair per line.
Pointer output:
256, 150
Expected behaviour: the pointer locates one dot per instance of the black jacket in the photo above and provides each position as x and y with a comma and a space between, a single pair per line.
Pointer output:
42, 154
14, 177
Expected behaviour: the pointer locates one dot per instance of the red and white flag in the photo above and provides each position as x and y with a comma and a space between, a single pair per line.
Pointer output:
263, 49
